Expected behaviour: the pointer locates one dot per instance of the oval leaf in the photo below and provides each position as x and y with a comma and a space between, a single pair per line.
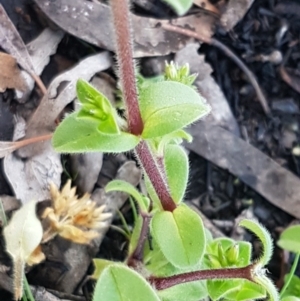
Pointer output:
290, 239
24, 232
177, 169
22, 235
169, 106
119, 283
180, 236
80, 136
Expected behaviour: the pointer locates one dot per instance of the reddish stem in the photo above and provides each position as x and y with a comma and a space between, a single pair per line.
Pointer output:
152, 171
124, 49
234, 273
121, 20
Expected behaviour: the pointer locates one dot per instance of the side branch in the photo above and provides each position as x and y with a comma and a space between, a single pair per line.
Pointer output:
234, 273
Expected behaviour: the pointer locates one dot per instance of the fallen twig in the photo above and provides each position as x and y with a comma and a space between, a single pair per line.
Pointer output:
230, 54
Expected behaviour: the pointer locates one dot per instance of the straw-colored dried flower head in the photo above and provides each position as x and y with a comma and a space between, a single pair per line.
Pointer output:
73, 218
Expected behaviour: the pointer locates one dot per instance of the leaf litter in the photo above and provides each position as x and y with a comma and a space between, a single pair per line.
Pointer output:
157, 41
11, 41
10, 77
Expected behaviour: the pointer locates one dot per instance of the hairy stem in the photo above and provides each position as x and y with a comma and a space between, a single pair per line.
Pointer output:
153, 172
121, 21
124, 49
162, 283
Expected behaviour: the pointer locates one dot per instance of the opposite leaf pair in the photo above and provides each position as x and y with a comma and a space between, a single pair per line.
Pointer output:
166, 107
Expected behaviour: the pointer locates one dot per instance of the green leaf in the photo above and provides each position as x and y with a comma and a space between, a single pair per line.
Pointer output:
120, 185
218, 289
135, 235
191, 291
290, 239
234, 289
176, 137
180, 6
169, 106
80, 136
294, 286
100, 265
180, 236
264, 236
247, 291
155, 261
177, 169
97, 107
120, 283
290, 298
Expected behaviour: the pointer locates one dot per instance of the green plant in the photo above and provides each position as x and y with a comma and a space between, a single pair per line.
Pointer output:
182, 261
290, 241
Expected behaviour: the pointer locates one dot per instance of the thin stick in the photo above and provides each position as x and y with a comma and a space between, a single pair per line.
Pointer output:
230, 54
39, 82
25, 142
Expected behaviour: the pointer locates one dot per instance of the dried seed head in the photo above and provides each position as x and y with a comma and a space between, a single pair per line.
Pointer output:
73, 218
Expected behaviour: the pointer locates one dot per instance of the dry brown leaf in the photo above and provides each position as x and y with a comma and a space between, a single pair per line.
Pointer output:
30, 178
41, 48
11, 41
10, 76
150, 39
